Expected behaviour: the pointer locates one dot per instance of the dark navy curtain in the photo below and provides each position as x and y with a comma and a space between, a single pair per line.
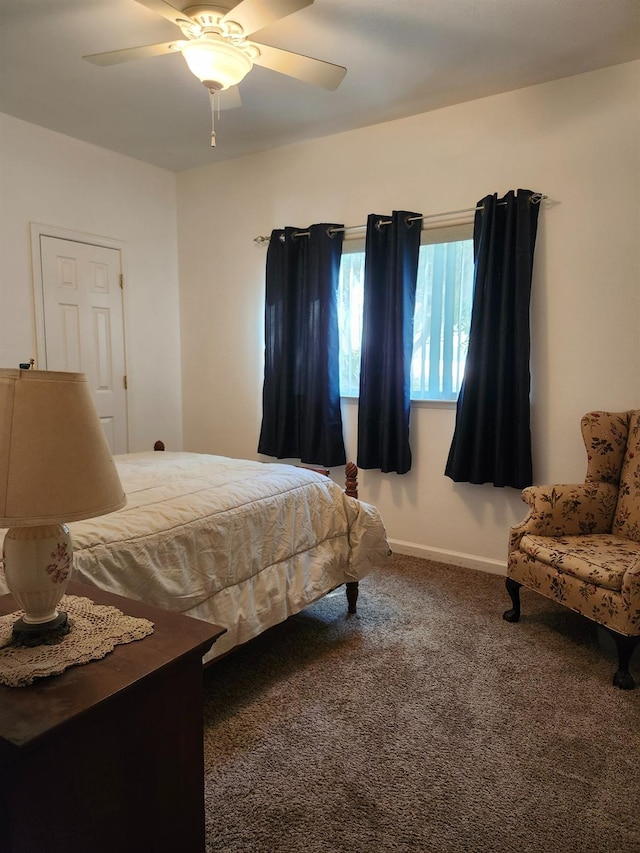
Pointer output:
390, 276
301, 416
492, 437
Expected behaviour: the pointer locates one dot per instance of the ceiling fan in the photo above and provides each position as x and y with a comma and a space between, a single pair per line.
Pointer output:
216, 48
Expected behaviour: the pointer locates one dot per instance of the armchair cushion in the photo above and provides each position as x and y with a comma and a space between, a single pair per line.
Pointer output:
598, 559
618, 610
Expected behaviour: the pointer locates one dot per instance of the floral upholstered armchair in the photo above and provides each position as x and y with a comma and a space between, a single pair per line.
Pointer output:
580, 544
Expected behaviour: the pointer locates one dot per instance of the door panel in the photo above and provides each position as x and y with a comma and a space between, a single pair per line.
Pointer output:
84, 324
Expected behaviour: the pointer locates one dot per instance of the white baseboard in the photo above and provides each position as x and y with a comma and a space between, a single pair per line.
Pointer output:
455, 558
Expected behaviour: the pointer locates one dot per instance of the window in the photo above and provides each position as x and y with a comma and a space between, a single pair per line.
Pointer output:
442, 316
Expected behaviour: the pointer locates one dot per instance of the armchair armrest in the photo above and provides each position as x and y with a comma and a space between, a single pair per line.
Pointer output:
566, 509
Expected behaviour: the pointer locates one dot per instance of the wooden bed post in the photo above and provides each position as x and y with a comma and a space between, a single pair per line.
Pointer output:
351, 485
351, 489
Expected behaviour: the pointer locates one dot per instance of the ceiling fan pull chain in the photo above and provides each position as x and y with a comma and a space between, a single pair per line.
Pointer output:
212, 99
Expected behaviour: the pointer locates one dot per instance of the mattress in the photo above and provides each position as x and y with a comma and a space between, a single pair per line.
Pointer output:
239, 543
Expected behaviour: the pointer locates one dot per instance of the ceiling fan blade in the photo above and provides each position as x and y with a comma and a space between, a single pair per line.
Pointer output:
314, 71
253, 15
113, 57
166, 10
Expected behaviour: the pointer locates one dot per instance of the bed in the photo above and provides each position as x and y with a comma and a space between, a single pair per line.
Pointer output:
239, 543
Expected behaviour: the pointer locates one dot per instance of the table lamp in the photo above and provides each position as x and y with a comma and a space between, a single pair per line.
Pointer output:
55, 467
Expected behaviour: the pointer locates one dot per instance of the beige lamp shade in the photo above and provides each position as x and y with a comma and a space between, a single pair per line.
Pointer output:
55, 462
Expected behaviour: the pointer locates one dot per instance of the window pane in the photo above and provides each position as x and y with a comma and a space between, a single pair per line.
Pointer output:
441, 323
350, 296
442, 316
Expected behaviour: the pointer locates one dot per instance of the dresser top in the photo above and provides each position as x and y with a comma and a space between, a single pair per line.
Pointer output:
29, 713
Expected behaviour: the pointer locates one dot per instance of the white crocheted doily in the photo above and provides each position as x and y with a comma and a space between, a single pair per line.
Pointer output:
96, 630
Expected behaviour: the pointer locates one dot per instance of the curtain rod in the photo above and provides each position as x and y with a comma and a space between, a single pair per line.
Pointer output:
536, 198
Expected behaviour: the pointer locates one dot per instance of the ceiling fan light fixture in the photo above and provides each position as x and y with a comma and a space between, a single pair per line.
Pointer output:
217, 63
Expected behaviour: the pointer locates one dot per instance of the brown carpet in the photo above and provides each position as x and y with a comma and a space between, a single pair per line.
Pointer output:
424, 723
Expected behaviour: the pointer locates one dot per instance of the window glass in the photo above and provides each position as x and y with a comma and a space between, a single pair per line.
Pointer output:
443, 313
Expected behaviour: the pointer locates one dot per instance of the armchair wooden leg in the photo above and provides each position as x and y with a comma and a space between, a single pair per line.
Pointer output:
513, 588
625, 646
352, 595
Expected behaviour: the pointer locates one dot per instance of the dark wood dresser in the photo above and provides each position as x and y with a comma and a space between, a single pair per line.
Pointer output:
108, 756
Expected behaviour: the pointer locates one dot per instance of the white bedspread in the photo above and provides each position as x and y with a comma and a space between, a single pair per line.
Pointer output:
242, 544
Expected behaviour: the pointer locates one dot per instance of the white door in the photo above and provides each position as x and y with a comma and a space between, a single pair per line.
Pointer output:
84, 324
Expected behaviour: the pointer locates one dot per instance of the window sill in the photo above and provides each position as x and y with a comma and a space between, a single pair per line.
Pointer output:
421, 404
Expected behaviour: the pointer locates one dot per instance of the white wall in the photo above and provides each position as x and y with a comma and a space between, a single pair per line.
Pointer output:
49, 178
576, 140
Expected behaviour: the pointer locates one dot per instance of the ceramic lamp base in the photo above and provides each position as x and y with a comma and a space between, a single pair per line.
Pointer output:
37, 566
40, 634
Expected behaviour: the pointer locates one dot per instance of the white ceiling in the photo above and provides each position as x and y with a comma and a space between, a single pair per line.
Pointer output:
402, 56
